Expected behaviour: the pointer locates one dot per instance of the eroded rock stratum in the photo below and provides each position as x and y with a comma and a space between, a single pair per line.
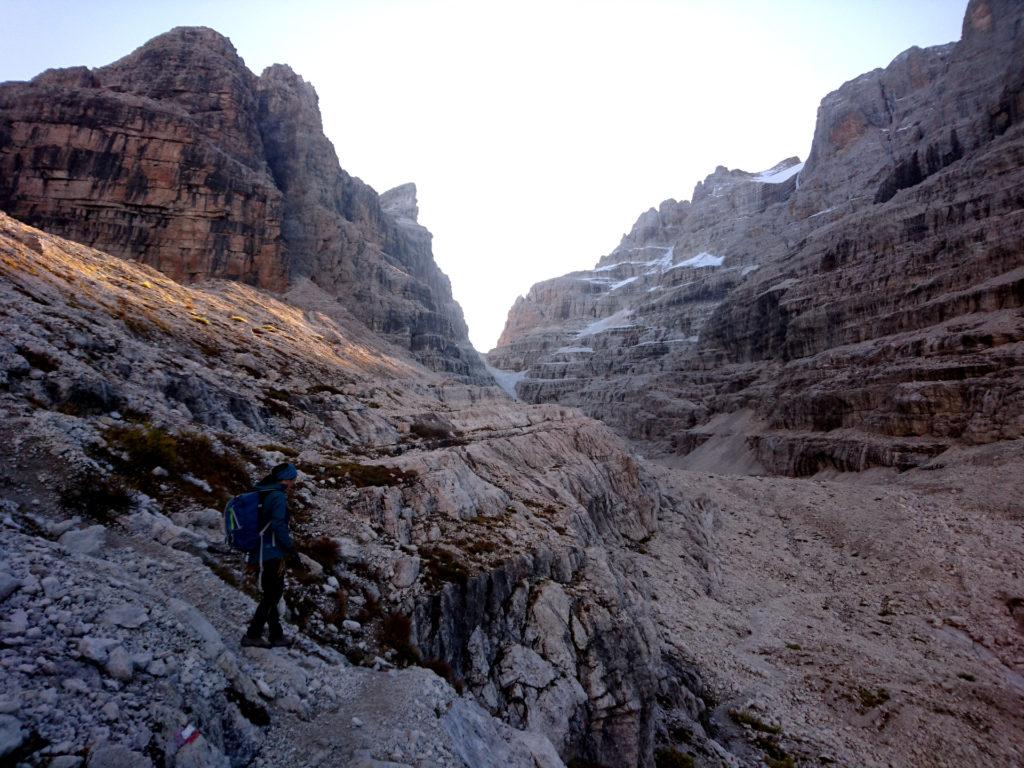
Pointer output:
179, 157
489, 582
861, 309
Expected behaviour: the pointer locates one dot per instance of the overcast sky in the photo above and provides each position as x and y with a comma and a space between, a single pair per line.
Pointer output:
536, 132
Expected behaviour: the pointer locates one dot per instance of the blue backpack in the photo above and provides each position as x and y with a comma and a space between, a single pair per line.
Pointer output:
243, 528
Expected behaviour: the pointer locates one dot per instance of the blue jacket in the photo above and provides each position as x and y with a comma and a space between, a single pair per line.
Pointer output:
277, 541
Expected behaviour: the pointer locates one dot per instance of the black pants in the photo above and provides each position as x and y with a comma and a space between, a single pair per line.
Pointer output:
272, 587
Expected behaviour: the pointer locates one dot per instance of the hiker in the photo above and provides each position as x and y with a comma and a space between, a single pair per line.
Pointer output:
272, 555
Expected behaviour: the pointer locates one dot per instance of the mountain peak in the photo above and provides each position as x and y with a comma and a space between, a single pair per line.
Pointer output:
400, 202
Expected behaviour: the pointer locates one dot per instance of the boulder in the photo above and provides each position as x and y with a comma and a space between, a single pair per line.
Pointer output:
85, 541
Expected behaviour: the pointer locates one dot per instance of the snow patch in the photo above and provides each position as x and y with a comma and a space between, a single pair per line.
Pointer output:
574, 349
748, 269
662, 264
618, 320
772, 176
507, 380
621, 283
702, 259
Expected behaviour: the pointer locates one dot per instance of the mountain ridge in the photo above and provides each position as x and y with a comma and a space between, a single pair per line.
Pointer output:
187, 161
889, 213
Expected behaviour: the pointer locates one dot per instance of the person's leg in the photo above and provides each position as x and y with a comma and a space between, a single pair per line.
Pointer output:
267, 606
272, 593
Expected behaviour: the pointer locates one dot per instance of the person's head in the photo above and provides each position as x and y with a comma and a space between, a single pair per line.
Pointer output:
285, 474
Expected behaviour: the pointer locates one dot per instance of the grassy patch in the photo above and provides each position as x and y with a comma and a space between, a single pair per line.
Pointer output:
141, 448
749, 719
478, 546
362, 475
443, 565
871, 698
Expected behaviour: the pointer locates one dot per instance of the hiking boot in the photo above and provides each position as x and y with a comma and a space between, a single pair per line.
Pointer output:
254, 642
280, 642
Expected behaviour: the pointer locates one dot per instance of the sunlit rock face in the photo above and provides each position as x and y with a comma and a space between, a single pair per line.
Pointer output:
862, 309
179, 157
506, 533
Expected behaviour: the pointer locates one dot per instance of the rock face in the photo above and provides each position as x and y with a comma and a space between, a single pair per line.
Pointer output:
179, 157
860, 310
500, 535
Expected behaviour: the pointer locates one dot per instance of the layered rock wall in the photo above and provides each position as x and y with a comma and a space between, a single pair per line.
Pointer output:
178, 156
502, 533
864, 308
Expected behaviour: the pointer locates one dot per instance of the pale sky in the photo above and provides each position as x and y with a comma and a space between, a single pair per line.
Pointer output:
536, 132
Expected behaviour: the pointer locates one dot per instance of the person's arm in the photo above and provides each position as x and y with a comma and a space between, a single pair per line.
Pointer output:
278, 509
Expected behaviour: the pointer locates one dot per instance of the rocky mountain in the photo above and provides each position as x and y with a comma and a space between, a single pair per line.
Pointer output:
179, 157
862, 309
133, 404
488, 582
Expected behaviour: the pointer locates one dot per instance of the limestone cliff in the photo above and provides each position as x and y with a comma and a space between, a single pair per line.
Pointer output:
862, 309
445, 526
179, 157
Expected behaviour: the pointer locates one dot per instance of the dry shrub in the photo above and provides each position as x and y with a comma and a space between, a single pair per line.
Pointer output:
98, 497
429, 430
324, 550
669, 757
396, 630
443, 669
363, 475
338, 612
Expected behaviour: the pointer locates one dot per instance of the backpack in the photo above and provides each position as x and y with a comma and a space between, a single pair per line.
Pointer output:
243, 528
